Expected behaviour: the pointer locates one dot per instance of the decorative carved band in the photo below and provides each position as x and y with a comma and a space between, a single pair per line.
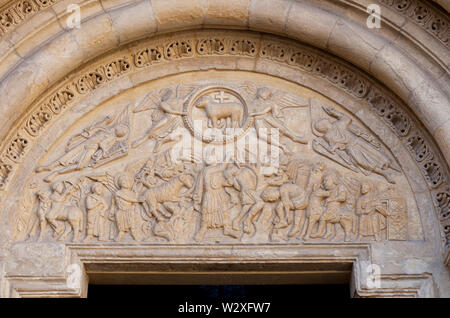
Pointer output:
425, 16
102, 74
20, 11
204, 44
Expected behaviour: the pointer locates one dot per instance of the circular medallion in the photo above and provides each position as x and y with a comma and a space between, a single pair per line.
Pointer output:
217, 115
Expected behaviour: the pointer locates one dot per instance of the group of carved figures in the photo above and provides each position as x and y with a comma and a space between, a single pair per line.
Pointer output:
300, 200
305, 201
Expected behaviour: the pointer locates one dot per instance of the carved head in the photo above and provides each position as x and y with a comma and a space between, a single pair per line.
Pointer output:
124, 182
188, 180
43, 195
329, 182
283, 161
322, 125
58, 187
264, 93
318, 167
230, 173
203, 102
165, 94
121, 130
97, 188
270, 195
365, 188
210, 156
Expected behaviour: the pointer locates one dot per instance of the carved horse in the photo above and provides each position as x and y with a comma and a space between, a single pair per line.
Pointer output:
165, 194
70, 214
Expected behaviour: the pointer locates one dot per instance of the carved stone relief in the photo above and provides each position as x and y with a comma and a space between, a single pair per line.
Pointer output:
260, 107
96, 145
334, 187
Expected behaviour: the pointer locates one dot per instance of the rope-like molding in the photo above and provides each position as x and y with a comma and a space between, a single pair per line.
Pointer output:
231, 44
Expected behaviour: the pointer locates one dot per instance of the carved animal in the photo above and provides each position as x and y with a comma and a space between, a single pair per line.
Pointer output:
164, 193
347, 220
221, 111
288, 192
70, 214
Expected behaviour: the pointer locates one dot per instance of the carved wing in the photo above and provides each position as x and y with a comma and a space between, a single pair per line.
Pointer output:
107, 180
287, 100
123, 118
184, 90
248, 90
150, 101
352, 185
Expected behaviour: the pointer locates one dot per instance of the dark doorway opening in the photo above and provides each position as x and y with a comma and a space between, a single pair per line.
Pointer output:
218, 293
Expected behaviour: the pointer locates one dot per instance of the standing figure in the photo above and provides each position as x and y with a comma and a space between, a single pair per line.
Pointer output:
372, 216
314, 210
212, 200
271, 116
125, 201
347, 144
245, 180
45, 204
96, 207
57, 198
314, 180
335, 212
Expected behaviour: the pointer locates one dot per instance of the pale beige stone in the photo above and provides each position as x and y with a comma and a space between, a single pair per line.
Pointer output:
269, 15
397, 71
88, 9
50, 30
428, 97
227, 12
310, 25
178, 14
142, 24
116, 4
441, 135
356, 44
107, 87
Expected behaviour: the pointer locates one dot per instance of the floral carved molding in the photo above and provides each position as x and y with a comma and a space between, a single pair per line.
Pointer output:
154, 52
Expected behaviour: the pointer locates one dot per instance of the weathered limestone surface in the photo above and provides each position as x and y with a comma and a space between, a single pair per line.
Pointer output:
94, 168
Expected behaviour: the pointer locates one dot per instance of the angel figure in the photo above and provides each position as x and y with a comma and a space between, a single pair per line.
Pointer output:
271, 115
349, 145
96, 145
125, 202
165, 118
